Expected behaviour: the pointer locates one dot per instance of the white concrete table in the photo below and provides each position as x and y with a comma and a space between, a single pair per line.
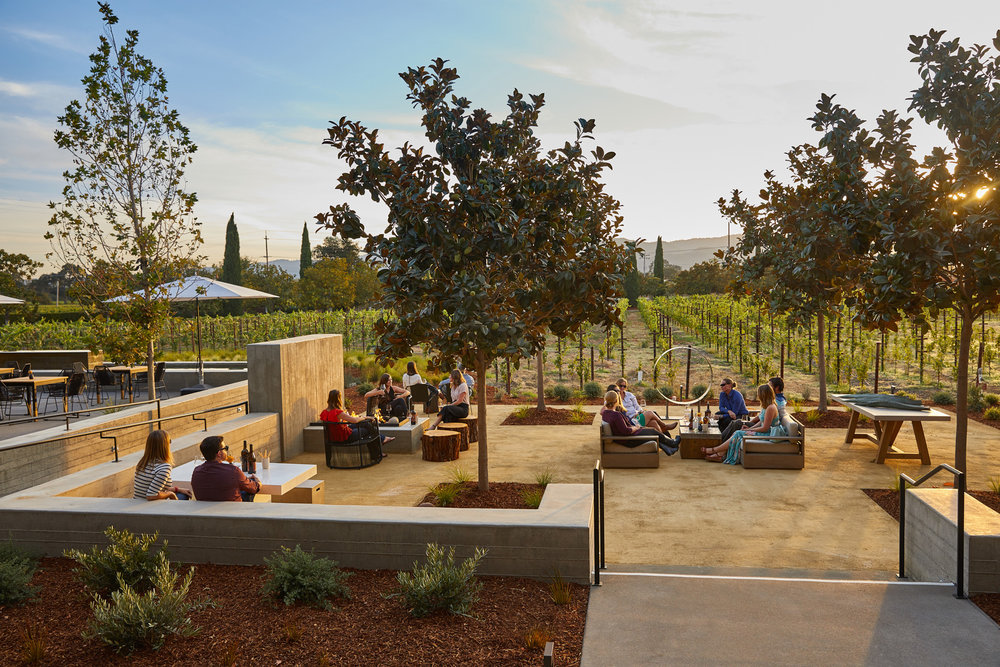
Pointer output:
407, 436
277, 480
888, 421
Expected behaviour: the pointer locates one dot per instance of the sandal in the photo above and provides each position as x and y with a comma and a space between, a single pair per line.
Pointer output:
715, 457
707, 450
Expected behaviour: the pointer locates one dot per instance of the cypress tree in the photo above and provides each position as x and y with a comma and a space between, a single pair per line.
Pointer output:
305, 255
658, 259
232, 272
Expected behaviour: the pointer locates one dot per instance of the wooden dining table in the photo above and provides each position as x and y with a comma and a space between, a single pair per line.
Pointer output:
128, 372
32, 384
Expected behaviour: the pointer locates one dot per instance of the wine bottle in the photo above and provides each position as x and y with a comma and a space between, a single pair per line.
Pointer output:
244, 458
252, 461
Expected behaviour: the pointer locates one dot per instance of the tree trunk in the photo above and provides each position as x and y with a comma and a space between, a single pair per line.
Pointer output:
150, 367
484, 459
540, 379
962, 393
821, 359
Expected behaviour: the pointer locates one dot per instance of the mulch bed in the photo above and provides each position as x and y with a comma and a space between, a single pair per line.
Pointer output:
243, 628
501, 495
888, 500
550, 417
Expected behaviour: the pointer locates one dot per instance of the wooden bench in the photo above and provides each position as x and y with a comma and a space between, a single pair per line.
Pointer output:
645, 454
783, 452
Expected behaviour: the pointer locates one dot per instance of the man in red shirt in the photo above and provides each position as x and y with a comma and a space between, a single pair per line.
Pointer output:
217, 479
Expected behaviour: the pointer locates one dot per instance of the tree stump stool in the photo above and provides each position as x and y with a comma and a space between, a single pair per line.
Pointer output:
473, 423
463, 432
440, 445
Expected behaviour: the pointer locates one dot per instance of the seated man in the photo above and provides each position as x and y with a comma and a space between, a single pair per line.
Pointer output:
444, 387
732, 407
217, 479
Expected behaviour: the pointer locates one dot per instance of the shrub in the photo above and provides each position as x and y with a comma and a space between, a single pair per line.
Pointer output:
943, 398
17, 567
532, 497
697, 390
522, 412
906, 394
992, 400
561, 392
549, 392
33, 640
992, 414
560, 589
459, 475
592, 390
806, 393
995, 484
294, 576
131, 620
364, 388
813, 416
975, 400
537, 637
128, 559
580, 416
445, 494
440, 584
651, 395
543, 478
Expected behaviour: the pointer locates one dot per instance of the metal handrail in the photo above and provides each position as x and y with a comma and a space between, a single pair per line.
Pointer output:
101, 431
599, 545
905, 479
60, 415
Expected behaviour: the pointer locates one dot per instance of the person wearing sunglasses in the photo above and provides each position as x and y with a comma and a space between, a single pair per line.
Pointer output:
732, 407
646, 418
219, 480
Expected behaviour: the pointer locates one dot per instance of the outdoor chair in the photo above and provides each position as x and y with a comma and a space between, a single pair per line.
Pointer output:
141, 380
73, 389
9, 394
352, 454
426, 394
615, 454
104, 383
777, 452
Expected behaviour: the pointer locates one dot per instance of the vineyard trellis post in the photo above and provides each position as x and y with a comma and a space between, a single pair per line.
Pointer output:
878, 357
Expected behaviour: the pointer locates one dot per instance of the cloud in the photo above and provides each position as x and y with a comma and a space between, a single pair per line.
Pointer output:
46, 39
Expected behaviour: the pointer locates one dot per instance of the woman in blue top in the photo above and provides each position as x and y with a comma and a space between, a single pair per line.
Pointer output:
731, 451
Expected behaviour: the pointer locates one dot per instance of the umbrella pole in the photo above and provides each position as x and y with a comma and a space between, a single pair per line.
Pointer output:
201, 364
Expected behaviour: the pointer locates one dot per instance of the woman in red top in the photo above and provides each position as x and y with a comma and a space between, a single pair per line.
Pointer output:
348, 427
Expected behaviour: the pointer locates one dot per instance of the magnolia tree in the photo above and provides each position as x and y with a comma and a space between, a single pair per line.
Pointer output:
490, 241
125, 218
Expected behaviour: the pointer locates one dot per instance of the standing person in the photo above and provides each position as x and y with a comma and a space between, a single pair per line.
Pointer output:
391, 399
152, 473
732, 407
620, 425
218, 480
636, 413
458, 408
344, 427
731, 451
411, 376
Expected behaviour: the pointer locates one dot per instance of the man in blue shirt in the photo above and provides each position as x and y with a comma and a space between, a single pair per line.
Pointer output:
731, 405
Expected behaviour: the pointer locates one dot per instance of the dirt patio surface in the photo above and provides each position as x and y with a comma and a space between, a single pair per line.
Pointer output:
691, 513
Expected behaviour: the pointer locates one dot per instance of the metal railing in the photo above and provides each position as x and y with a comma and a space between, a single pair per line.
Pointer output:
599, 545
905, 479
112, 407
100, 432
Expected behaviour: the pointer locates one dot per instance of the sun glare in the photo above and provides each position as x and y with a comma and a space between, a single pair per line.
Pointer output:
981, 192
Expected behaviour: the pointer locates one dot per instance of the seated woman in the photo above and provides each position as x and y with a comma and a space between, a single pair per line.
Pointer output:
411, 376
342, 426
412, 379
731, 451
621, 425
152, 473
391, 399
637, 414
458, 408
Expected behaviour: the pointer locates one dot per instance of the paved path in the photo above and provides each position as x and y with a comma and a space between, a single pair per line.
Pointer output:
697, 619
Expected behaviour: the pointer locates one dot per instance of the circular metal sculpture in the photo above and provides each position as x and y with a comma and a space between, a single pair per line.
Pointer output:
689, 350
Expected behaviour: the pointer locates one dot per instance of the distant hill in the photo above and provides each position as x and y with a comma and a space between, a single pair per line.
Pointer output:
289, 265
684, 253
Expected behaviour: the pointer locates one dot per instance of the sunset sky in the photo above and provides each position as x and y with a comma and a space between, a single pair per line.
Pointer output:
697, 98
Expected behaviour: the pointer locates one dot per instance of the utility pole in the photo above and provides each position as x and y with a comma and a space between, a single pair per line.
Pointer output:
267, 260
57, 291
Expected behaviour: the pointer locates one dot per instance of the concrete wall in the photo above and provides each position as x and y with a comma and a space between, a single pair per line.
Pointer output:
530, 543
177, 378
24, 467
931, 540
292, 377
51, 359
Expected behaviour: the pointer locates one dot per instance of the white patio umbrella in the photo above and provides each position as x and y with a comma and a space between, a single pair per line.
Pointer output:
9, 301
198, 289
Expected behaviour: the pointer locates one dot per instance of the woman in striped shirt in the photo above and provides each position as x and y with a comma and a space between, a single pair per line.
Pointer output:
152, 473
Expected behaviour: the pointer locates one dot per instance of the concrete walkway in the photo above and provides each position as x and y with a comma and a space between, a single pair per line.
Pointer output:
642, 618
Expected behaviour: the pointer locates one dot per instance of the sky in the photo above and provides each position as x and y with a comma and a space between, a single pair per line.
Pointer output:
697, 98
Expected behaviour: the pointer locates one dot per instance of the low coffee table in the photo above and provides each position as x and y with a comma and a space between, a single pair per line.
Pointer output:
692, 440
